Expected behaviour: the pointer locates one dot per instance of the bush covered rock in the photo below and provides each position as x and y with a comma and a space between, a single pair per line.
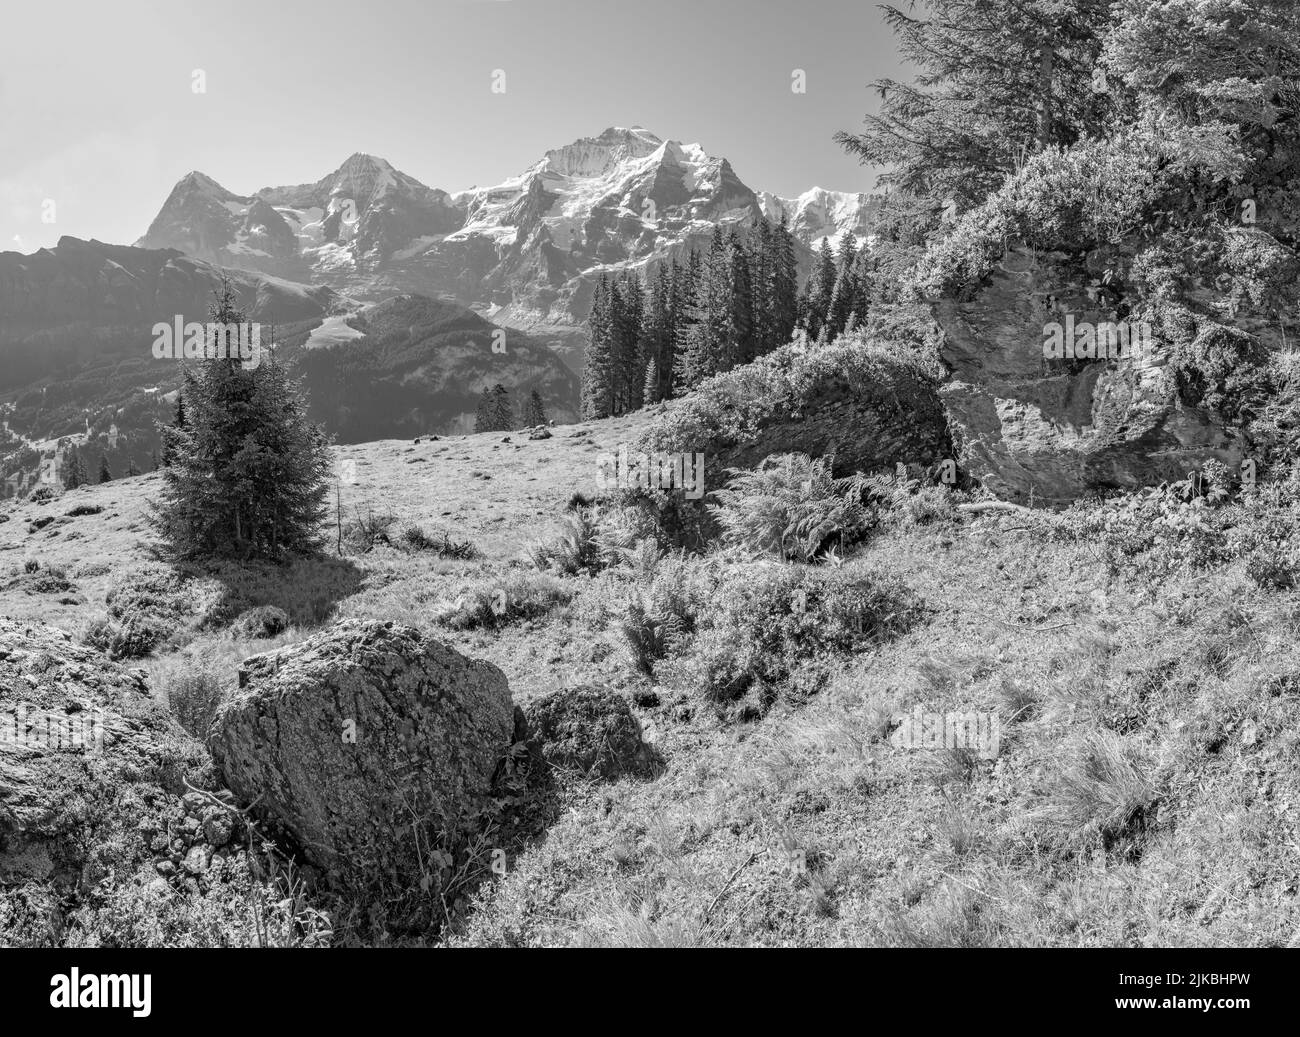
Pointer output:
88, 761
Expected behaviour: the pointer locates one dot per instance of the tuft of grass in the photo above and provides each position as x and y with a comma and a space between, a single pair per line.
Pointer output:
1100, 790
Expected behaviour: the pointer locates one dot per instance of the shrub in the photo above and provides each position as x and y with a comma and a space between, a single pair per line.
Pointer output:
576, 548
261, 622
133, 638
771, 629
495, 603
792, 506
194, 695
903, 501
413, 538
142, 613
364, 532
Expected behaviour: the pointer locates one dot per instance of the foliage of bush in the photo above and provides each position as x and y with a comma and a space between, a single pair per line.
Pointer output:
793, 507
771, 628
1194, 525
730, 408
261, 622
491, 604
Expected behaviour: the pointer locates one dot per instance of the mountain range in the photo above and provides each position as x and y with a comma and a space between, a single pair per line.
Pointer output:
387, 296
525, 252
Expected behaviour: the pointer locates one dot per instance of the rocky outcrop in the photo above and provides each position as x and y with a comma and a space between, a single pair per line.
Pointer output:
90, 764
591, 730
869, 409
1052, 429
365, 745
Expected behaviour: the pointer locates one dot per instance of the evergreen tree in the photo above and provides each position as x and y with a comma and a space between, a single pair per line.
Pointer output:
818, 291
763, 290
716, 324
105, 473
785, 283
132, 469
597, 387
483, 415
74, 471
179, 420
534, 412
652, 382
629, 314
658, 337
248, 472
844, 293
739, 345
501, 413
688, 360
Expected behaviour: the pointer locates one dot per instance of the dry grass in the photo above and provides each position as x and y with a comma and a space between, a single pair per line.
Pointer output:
1147, 790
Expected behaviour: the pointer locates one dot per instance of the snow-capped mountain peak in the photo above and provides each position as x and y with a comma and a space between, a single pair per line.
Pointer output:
527, 249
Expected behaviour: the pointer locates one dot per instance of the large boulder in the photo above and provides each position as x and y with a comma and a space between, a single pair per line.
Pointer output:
1058, 429
869, 408
591, 730
365, 745
89, 761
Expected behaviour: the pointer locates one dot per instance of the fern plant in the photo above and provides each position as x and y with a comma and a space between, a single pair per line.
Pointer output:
792, 506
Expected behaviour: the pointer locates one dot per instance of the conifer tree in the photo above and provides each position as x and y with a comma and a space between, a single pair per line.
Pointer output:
658, 336
74, 471
534, 412
785, 283
501, 413
844, 293
132, 469
688, 361
105, 473
247, 476
483, 414
739, 346
597, 387
628, 317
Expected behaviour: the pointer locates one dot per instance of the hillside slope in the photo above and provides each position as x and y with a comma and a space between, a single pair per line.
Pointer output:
1144, 791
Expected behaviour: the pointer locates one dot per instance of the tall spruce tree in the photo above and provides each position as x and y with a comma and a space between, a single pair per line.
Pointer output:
597, 375
105, 473
844, 293
738, 347
785, 283
501, 413
534, 412
483, 413
74, 471
248, 472
688, 361
658, 336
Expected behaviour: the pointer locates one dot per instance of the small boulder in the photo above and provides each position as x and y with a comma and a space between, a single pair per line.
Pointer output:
591, 729
364, 744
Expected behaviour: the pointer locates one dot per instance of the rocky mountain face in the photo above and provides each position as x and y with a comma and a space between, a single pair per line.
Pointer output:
526, 251
1053, 430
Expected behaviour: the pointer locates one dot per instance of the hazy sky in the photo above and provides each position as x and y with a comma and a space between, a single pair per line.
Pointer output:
98, 111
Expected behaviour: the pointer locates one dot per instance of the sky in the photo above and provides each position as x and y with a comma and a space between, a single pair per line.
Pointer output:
100, 115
